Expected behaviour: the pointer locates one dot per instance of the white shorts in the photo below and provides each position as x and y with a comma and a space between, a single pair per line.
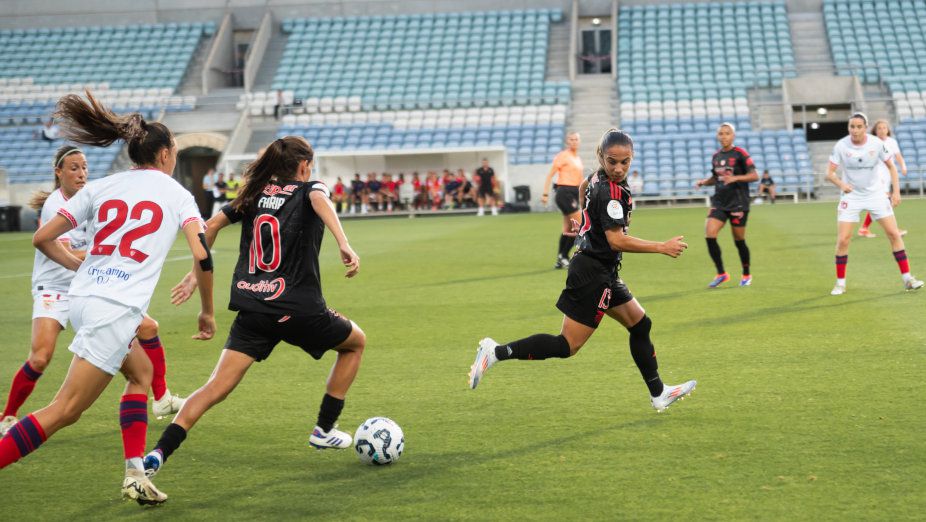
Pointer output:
848, 209
104, 331
52, 305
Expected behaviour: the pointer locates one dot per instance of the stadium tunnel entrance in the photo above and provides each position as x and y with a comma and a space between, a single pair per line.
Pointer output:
199, 153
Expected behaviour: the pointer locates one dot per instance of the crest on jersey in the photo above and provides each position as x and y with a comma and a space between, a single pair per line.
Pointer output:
273, 190
615, 211
731, 161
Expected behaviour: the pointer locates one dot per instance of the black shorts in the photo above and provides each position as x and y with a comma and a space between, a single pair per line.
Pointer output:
591, 289
485, 192
567, 199
256, 334
737, 219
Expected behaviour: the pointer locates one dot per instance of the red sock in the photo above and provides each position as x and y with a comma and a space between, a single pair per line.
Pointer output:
155, 352
133, 418
901, 257
22, 439
867, 221
841, 262
23, 384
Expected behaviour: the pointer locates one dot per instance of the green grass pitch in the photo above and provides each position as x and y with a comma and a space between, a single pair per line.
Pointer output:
806, 408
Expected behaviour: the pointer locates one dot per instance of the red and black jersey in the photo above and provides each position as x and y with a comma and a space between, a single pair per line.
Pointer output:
277, 269
608, 205
735, 196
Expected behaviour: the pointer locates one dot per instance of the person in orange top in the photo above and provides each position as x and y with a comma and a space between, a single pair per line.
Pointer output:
567, 166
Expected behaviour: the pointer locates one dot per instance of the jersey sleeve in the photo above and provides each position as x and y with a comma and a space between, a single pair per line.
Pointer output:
318, 186
79, 208
232, 214
188, 210
836, 156
885, 153
748, 164
612, 205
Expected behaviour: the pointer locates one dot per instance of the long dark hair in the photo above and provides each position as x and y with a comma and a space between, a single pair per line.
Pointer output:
280, 160
39, 197
92, 123
610, 138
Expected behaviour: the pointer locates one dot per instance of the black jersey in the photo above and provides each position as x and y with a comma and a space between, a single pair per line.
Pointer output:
735, 196
607, 205
485, 175
277, 270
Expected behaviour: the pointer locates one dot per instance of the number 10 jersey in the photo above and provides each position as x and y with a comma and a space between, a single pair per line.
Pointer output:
281, 236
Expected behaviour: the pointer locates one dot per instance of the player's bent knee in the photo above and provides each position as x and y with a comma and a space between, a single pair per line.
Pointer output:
40, 358
148, 328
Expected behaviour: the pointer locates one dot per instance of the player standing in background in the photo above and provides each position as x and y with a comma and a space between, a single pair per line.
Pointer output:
132, 220
358, 191
882, 129
276, 291
859, 154
485, 193
567, 167
732, 169
50, 283
594, 287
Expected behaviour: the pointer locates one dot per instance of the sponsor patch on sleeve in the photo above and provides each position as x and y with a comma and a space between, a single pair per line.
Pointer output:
615, 210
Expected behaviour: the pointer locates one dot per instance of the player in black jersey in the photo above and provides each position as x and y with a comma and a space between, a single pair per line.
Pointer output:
732, 169
276, 290
593, 286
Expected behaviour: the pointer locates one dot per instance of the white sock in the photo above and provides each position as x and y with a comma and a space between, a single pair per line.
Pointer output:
135, 463
906, 277
841, 282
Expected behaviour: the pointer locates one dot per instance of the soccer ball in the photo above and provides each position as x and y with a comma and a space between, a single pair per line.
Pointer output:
379, 441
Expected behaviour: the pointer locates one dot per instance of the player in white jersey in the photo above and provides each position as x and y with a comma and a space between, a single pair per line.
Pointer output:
50, 308
132, 220
858, 155
882, 129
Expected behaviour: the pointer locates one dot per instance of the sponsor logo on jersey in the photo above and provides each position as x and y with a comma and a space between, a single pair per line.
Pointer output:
273, 190
274, 287
271, 202
103, 275
615, 211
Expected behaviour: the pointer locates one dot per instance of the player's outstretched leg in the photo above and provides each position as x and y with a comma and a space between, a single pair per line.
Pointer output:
672, 393
714, 250
325, 435
534, 348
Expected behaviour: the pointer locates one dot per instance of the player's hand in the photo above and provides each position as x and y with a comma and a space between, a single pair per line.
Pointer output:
903, 172
206, 327
698, 183
674, 247
183, 290
573, 226
847, 188
895, 198
726, 179
544, 199
350, 259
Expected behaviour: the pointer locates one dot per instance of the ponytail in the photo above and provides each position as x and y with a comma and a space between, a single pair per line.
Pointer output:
280, 160
92, 123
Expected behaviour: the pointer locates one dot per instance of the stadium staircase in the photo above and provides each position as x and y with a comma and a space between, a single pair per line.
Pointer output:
271, 59
592, 107
811, 50
558, 53
192, 83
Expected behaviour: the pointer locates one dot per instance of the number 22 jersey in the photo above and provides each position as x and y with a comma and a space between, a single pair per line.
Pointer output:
132, 221
277, 269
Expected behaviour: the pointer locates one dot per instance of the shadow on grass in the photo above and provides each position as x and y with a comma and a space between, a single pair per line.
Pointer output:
478, 279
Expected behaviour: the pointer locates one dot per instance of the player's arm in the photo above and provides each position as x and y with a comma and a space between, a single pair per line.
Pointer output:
183, 290
46, 241
834, 179
547, 182
750, 176
898, 157
895, 182
322, 206
582, 188
710, 180
620, 241
202, 268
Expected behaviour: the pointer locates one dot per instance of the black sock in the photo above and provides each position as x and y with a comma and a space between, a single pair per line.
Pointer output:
329, 412
714, 249
170, 440
644, 355
534, 348
565, 243
744, 254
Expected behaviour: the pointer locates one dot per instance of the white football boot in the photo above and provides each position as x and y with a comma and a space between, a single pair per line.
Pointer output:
332, 439
485, 358
7, 423
169, 404
671, 394
139, 488
910, 284
838, 289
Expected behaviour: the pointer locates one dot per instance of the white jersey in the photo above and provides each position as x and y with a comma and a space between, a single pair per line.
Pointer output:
46, 274
860, 165
133, 218
894, 148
